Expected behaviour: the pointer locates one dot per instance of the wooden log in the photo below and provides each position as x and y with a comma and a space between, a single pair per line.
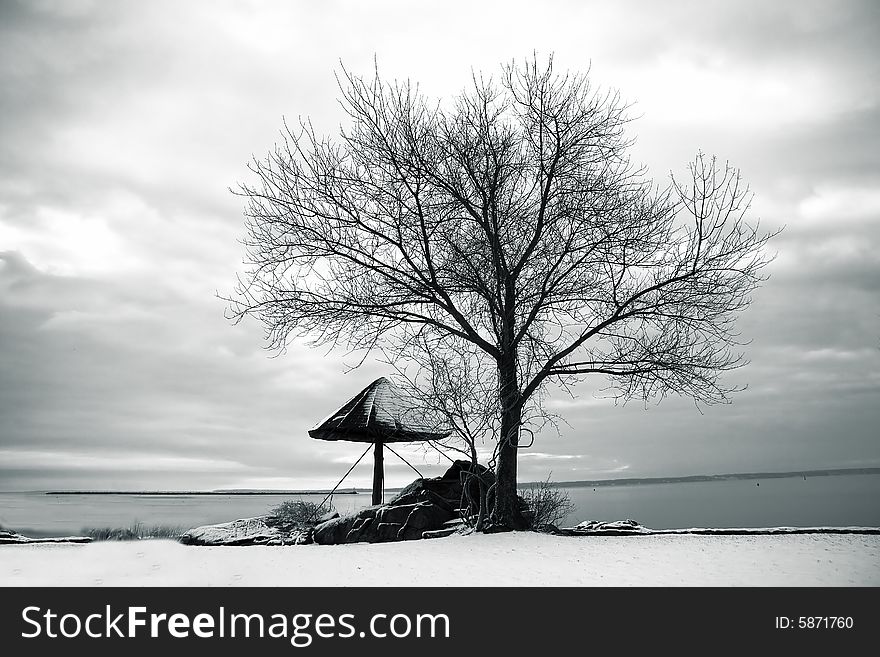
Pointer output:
378, 472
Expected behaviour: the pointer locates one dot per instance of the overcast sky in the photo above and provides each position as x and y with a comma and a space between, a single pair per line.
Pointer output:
124, 124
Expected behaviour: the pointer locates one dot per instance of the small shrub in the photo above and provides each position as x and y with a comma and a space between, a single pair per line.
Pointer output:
547, 505
134, 532
296, 513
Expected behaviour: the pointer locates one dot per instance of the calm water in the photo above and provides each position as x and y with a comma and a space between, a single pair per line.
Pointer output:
841, 500
56, 515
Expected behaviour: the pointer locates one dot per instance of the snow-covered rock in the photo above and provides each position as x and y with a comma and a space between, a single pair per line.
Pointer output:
245, 531
627, 526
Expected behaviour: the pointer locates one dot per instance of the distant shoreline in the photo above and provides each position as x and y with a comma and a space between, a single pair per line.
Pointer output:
705, 478
555, 484
347, 491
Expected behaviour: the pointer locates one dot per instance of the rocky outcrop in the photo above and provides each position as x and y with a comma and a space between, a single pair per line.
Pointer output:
427, 508
247, 531
8, 537
459, 487
384, 523
421, 510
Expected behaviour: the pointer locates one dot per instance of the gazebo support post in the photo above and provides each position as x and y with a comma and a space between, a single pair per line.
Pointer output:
378, 472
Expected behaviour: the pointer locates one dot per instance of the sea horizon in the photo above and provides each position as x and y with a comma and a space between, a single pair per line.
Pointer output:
578, 483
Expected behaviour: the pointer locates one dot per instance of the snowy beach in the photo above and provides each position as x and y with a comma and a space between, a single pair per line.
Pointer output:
509, 559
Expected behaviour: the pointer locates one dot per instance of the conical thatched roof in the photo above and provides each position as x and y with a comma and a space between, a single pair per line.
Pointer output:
380, 412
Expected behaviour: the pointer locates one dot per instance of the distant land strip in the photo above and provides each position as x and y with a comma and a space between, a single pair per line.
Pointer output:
346, 491
698, 478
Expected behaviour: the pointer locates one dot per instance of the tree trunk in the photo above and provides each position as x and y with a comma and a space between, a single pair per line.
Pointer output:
506, 512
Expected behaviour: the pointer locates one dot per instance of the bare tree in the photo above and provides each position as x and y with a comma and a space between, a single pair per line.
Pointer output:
509, 226
455, 387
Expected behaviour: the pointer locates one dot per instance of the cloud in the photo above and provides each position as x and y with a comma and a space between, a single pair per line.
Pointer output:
93, 368
125, 123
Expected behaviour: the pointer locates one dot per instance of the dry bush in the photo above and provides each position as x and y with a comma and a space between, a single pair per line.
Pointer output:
547, 505
134, 532
293, 514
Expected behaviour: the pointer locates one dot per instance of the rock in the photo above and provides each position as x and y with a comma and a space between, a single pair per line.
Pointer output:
407, 533
387, 531
440, 533
390, 522
327, 516
363, 531
434, 491
616, 527
396, 514
248, 530
245, 531
356, 527
421, 515
427, 516
333, 532
387, 523
369, 511
459, 486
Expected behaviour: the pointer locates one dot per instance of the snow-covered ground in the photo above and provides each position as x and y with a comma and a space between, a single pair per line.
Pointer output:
514, 559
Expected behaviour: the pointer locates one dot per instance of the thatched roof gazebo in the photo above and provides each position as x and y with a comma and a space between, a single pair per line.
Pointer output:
378, 414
